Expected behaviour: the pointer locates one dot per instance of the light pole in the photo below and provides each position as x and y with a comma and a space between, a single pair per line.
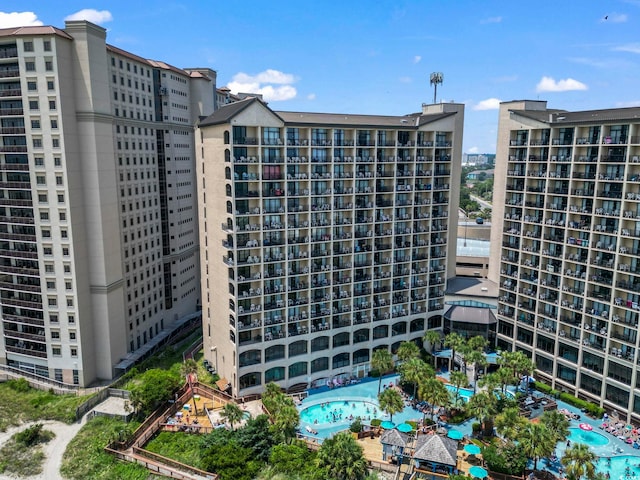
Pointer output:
215, 349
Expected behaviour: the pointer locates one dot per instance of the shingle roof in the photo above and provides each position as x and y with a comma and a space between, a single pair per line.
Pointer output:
34, 30
560, 117
438, 449
394, 437
481, 316
226, 112
355, 120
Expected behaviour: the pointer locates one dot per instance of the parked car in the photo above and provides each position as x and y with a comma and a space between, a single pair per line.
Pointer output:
479, 220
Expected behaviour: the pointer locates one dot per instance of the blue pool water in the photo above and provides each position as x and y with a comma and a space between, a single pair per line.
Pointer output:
467, 393
591, 438
624, 467
339, 412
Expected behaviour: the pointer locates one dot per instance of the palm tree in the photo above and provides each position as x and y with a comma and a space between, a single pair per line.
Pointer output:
537, 441
509, 423
342, 458
233, 413
478, 360
458, 379
286, 421
414, 370
518, 363
483, 406
579, 461
189, 369
407, 351
391, 401
456, 343
432, 337
382, 361
433, 391
556, 423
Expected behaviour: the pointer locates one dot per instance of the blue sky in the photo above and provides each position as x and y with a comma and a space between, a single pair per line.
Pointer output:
365, 56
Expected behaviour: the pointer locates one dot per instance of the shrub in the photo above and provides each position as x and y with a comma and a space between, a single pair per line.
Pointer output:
476, 427
19, 385
33, 435
356, 426
375, 422
413, 424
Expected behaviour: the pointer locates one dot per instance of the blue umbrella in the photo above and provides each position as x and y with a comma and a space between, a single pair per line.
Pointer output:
455, 434
478, 472
472, 449
404, 428
388, 425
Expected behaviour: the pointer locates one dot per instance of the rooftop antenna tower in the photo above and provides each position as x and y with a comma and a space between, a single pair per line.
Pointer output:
434, 79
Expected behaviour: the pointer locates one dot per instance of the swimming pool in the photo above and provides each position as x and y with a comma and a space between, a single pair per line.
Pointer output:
624, 467
590, 438
339, 412
467, 393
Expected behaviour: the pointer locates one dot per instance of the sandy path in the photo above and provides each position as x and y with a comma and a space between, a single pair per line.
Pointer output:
52, 450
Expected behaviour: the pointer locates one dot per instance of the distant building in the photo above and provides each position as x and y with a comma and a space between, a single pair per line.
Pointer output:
478, 158
477, 174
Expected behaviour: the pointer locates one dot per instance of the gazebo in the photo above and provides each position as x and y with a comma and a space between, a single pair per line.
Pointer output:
393, 443
436, 454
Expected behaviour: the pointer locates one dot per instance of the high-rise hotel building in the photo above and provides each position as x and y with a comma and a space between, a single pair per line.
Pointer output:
566, 230
323, 237
98, 224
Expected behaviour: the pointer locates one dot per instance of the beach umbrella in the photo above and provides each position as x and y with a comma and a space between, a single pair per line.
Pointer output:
404, 428
478, 472
455, 434
472, 449
388, 425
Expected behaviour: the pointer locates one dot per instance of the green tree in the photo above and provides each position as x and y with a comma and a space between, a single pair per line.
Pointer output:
509, 423
433, 391
579, 461
518, 363
414, 370
556, 423
382, 362
232, 413
189, 370
292, 459
152, 388
407, 351
478, 360
537, 441
456, 343
482, 405
256, 435
391, 401
432, 338
342, 458
231, 461
458, 379
286, 421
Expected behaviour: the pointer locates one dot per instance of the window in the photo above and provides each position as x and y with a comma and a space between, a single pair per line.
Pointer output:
58, 374
57, 161
69, 302
28, 46
37, 143
50, 85
48, 65
33, 105
44, 215
60, 198
56, 351
35, 124
74, 351
51, 284
52, 302
53, 318
32, 86
63, 216
52, 104
55, 142
55, 334
72, 335
54, 123
47, 45
39, 161
30, 66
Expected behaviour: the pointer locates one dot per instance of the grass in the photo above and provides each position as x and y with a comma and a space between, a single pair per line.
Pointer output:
20, 403
85, 456
22, 455
179, 446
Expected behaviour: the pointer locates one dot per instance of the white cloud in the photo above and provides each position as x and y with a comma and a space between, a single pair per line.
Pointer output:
405, 79
616, 18
629, 47
548, 84
488, 104
417, 59
94, 16
473, 150
492, 20
263, 83
311, 96
18, 19
631, 103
